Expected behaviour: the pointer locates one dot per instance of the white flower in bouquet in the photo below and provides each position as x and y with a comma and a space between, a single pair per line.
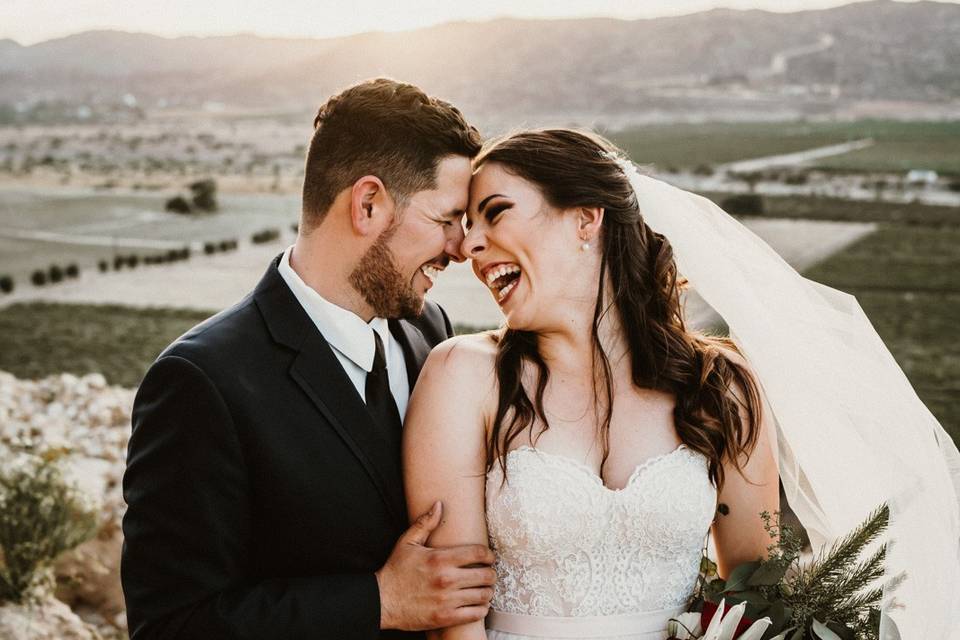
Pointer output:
686, 626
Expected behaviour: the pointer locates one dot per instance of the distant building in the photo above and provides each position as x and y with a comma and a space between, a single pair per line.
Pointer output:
921, 177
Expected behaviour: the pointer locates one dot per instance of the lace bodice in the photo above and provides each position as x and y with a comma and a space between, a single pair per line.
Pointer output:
566, 545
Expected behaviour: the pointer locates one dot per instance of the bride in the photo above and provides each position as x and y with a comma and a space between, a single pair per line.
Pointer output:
596, 439
593, 439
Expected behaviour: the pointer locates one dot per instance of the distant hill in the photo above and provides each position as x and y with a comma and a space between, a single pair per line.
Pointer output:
753, 62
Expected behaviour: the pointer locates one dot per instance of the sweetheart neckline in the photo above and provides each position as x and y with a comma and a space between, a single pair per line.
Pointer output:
646, 464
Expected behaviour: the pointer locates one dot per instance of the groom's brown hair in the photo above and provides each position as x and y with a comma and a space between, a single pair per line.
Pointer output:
385, 128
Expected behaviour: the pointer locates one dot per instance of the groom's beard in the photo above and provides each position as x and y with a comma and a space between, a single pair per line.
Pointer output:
377, 278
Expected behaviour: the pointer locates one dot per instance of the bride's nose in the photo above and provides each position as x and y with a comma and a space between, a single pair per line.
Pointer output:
474, 243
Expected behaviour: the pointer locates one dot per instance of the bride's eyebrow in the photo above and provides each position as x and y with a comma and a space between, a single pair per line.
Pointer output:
485, 201
482, 206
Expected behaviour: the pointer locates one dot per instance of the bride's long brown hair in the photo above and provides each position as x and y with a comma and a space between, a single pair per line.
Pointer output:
575, 169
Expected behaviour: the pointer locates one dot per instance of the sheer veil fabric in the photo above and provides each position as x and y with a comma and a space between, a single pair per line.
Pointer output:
851, 431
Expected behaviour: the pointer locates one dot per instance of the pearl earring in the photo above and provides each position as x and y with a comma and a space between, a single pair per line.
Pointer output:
585, 246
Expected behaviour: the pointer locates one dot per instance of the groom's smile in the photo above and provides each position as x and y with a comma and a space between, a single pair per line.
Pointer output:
428, 231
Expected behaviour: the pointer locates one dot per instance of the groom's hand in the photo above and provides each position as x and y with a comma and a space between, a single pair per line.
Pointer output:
423, 588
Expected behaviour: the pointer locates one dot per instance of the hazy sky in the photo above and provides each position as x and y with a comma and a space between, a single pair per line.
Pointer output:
30, 21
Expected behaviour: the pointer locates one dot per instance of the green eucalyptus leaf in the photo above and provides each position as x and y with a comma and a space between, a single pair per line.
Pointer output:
778, 617
739, 577
769, 574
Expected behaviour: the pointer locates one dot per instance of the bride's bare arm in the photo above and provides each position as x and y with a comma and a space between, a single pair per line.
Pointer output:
444, 448
738, 530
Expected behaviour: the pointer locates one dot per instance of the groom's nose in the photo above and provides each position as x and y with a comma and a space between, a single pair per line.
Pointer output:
454, 243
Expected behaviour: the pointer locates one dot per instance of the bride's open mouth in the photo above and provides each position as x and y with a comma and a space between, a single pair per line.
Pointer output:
502, 280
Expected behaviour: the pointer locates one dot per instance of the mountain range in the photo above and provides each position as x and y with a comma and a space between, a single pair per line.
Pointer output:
723, 60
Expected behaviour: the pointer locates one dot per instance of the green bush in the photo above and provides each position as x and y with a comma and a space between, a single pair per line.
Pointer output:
41, 516
209, 248
743, 204
178, 204
6, 284
103, 265
72, 270
204, 195
55, 273
266, 235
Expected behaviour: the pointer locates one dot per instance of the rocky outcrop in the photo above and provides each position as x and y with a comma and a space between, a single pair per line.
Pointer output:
89, 421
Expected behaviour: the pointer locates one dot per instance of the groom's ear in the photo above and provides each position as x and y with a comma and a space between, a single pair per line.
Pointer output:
371, 207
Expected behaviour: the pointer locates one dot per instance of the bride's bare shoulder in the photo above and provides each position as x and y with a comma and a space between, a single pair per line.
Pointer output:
462, 365
469, 356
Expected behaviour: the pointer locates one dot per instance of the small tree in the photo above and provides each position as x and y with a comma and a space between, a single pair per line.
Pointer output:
38, 278
103, 265
6, 284
178, 204
55, 273
72, 270
204, 195
41, 516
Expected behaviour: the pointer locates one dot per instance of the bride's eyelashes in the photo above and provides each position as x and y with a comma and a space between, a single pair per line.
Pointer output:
493, 212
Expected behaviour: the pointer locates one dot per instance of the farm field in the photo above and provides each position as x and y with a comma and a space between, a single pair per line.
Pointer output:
907, 279
899, 146
108, 219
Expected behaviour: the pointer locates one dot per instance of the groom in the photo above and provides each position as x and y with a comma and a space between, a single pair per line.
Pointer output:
263, 478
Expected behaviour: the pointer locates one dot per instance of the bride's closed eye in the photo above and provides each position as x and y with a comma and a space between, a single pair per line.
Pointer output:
493, 212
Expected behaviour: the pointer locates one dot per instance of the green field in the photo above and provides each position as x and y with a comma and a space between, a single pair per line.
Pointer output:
907, 279
40, 339
839, 210
899, 145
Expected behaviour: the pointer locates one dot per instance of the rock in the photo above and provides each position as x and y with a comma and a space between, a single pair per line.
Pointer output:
48, 619
89, 576
90, 421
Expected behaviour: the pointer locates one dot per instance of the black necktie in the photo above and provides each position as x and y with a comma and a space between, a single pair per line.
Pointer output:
380, 401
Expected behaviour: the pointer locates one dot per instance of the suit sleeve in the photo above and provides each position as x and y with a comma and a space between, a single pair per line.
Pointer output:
446, 322
187, 531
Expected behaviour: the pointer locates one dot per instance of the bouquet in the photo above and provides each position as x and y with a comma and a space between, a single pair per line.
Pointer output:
833, 597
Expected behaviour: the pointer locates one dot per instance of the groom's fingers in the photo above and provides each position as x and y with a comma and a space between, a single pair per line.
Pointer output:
419, 532
474, 578
464, 615
474, 597
466, 555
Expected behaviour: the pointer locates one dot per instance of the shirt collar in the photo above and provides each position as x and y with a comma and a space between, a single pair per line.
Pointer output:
344, 330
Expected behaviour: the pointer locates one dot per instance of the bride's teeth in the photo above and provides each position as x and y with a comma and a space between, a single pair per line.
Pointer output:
507, 289
501, 271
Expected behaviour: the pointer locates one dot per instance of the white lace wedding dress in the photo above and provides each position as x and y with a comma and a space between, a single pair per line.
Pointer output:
578, 560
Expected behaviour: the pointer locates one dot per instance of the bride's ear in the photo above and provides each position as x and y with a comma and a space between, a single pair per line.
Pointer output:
589, 220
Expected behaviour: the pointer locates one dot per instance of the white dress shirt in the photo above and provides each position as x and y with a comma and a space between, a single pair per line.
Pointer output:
350, 337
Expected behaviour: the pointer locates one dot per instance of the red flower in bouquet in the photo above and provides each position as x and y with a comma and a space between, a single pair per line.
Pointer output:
710, 609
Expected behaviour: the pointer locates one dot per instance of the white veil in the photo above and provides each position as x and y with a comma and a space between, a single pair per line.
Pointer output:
852, 432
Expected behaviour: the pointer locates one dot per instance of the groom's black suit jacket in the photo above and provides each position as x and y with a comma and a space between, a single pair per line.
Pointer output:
261, 496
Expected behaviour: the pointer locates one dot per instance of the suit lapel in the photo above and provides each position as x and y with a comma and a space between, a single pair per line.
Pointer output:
414, 345
319, 373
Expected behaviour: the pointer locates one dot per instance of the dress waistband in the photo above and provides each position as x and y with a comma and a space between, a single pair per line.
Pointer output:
652, 624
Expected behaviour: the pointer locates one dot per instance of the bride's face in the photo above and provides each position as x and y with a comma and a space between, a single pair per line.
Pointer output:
525, 251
